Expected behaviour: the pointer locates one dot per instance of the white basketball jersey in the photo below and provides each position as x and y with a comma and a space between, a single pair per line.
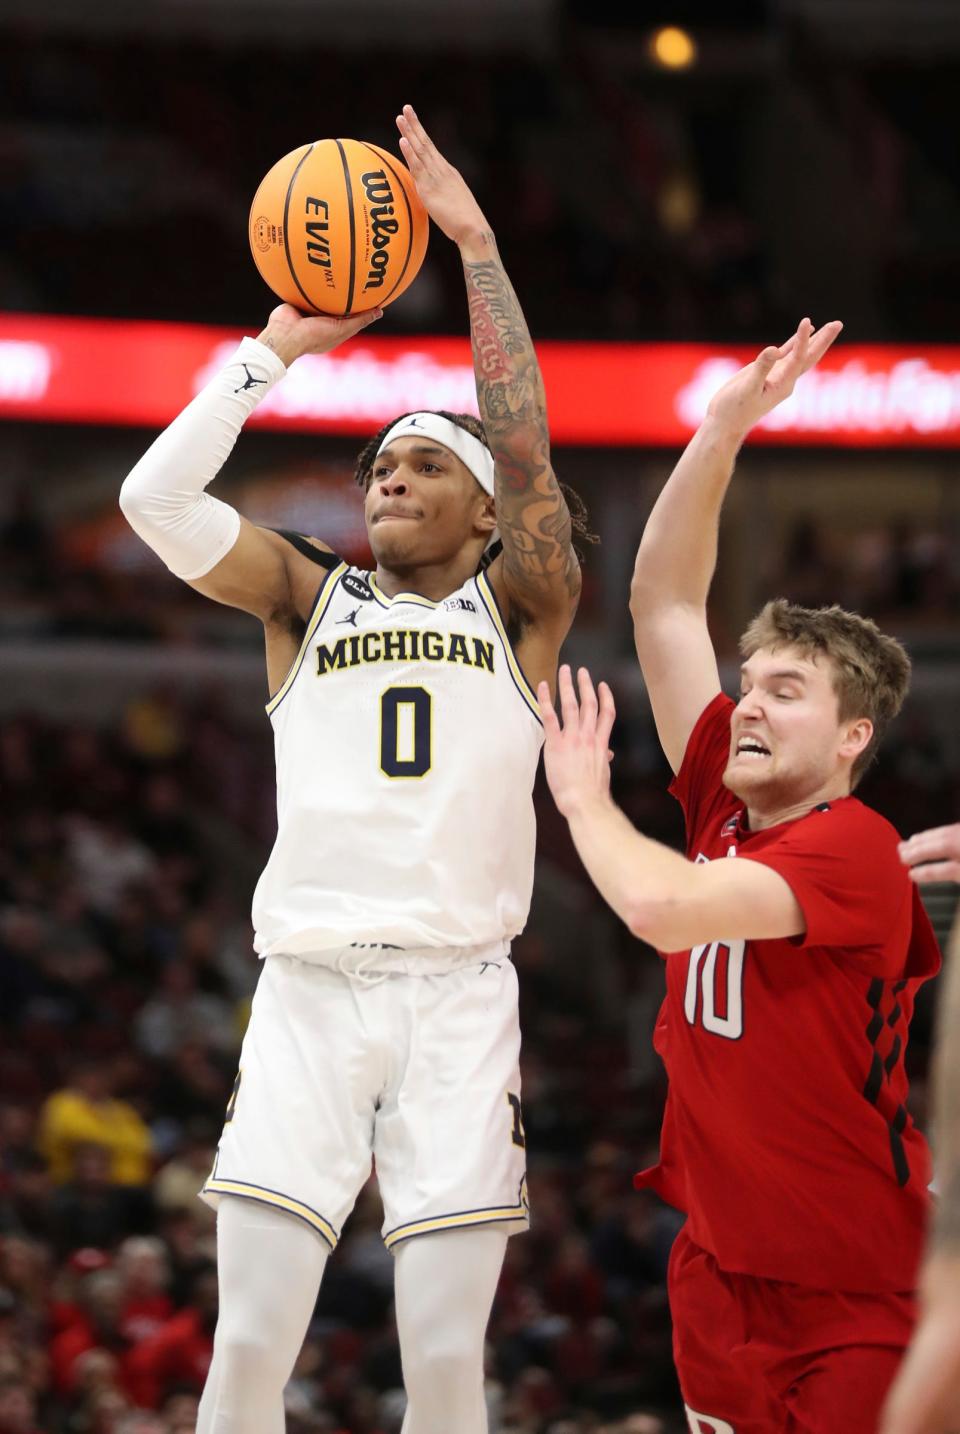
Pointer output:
407, 742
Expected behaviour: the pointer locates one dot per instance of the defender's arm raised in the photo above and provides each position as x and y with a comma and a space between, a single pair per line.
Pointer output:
678, 552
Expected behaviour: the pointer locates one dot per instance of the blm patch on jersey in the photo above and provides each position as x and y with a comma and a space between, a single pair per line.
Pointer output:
356, 587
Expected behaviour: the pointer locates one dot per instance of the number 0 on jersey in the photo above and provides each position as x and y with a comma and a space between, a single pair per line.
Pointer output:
406, 738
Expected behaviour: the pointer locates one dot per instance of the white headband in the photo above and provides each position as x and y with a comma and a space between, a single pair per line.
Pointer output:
471, 452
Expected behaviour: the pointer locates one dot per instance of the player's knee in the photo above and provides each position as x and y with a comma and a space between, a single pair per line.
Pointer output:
446, 1360
248, 1355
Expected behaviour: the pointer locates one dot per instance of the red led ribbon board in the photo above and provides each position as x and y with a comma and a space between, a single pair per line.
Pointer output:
647, 395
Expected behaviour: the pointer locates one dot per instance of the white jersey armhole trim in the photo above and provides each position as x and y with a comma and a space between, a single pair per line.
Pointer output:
324, 599
488, 598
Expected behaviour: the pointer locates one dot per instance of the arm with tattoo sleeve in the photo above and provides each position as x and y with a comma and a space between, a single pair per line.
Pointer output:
540, 566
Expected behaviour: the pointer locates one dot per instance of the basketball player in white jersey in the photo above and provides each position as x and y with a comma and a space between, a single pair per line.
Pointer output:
407, 740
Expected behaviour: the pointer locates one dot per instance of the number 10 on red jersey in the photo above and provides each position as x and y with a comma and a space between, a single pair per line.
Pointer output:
715, 988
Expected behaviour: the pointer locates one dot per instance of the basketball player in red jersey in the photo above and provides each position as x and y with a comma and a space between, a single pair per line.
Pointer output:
791, 971
925, 1398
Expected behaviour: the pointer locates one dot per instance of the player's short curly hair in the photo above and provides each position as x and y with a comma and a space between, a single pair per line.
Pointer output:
871, 671
579, 518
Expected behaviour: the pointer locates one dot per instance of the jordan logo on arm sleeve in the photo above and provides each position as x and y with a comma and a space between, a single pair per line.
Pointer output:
249, 382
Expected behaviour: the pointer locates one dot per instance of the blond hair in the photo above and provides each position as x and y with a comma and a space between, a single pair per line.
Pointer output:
870, 671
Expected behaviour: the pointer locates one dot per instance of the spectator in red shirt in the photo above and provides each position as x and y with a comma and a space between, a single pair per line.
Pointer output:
98, 1326
145, 1270
179, 1353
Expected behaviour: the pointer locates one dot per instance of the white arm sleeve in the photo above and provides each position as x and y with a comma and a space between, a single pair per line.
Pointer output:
162, 498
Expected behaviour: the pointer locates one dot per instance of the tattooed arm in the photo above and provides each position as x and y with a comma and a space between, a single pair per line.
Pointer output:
539, 568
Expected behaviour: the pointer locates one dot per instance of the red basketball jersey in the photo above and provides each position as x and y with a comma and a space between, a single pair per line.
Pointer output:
786, 1138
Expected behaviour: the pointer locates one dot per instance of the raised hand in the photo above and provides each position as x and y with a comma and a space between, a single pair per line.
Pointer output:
933, 855
291, 334
577, 754
755, 390
445, 194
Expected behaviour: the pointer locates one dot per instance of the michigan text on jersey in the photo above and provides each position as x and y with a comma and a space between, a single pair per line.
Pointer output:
404, 645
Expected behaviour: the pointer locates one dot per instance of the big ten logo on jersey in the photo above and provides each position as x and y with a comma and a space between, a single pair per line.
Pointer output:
707, 1423
459, 605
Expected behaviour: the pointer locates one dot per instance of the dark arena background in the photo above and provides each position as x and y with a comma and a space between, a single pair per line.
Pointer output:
672, 186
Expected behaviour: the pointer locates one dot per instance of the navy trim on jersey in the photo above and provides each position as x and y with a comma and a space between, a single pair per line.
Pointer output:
320, 605
417, 599
517, 675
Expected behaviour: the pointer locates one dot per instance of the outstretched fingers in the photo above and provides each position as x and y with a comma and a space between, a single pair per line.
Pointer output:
791, 359
607, 717
932, 871
569, 708
764, 362
799, 354
588, 699
821, 341
414, 140
417, 129
932, 845
548, 713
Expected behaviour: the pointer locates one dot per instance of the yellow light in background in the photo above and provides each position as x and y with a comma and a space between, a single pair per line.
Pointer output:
678, 203
673, 48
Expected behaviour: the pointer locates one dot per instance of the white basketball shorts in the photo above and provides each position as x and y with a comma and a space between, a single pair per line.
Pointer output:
420, 1072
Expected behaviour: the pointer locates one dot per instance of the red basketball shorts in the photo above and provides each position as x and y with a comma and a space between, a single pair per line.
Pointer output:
759, 1356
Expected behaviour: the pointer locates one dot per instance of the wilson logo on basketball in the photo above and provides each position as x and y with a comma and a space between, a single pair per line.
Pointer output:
376, 186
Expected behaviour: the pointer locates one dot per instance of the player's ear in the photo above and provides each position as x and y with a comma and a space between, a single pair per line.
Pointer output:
857, 738
487, 520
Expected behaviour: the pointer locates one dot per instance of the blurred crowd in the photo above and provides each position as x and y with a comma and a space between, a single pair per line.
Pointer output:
628, 203
596, 209
899, 572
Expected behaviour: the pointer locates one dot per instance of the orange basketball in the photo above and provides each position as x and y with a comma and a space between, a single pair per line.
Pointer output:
336, 227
